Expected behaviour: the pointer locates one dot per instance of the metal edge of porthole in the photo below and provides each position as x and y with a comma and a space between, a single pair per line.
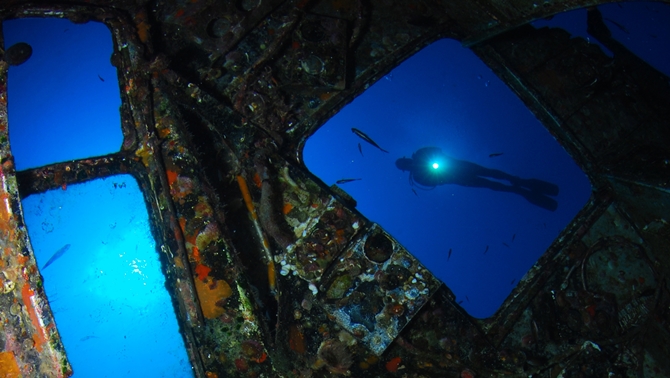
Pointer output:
375, 288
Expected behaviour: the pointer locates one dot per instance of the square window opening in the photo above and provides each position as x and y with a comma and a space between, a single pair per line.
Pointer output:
448, 160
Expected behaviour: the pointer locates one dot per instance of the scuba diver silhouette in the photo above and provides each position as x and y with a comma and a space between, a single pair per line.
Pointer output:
430, 167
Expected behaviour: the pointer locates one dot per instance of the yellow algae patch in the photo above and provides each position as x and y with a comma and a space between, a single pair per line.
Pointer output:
211, 296
8, 366
145, 152
202, 209
206, 236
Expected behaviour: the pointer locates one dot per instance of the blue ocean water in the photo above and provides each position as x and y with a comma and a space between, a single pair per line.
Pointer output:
479, 242
92, 241
106, 290
59, 107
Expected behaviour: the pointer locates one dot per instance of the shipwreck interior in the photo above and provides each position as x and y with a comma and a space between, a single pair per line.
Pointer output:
267, 271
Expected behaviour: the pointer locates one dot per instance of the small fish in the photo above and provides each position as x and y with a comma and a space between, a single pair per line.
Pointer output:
101, 79
486, 250
56, 255
513, 236
88, 337
496, 154
534, 329
467, 299
414, 191
506, 245
449, 255
344, 181
360, 149
366, 138
461, 301
512, 283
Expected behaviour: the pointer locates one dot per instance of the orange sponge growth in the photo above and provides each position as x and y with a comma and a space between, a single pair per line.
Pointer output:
212, 295
8, 366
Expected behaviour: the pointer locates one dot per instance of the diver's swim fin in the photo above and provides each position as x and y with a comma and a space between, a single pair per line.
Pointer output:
539, 199
539, 186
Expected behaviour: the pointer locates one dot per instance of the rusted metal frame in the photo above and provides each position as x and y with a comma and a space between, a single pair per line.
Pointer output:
513, 21
498, 326
624, 214
239, 31
308, 126
182, 287
60, 175
75, 12
28, 322
239, 173
254, 71
207, 102
626, 146
629, 181
361, 22
617, 240
149, 152
499, 21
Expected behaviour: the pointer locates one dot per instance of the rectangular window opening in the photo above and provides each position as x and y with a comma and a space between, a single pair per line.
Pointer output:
63, 95
102, 276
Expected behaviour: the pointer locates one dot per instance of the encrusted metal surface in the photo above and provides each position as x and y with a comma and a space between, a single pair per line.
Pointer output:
375, 288
275, 274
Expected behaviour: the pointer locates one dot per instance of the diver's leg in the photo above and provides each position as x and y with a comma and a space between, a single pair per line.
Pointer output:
539, 186
539, 199
481, 182
535, 185
534, 197
478, 170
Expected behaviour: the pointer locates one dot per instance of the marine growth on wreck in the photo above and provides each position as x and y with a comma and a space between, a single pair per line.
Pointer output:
269, 271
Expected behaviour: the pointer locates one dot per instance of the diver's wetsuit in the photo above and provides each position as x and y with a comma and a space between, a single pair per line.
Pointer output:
448, 170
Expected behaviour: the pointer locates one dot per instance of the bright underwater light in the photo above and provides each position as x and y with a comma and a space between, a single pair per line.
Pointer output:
438, 164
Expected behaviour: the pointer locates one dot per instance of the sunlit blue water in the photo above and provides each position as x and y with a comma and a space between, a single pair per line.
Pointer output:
444, 96
105, 287
59, 107
107, 290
